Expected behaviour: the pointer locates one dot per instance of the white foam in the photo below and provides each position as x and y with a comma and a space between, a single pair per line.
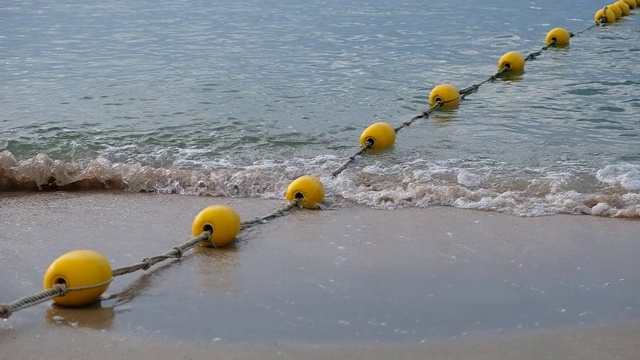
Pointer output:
601, 209
7, 160
473, 184
466, 178
625, 175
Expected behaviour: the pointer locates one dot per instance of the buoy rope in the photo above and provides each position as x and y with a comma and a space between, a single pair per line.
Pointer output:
473, 88
24, 302
175, 253
363, 149
425, 115
598, 23
277, 213
535, 54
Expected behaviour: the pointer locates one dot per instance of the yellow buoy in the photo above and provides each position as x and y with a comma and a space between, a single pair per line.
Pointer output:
616, 9
632, 3
558, 36
379, 135
308, 190
512, 61
447, 94
624, 7
605, 15
75, 269
223, 220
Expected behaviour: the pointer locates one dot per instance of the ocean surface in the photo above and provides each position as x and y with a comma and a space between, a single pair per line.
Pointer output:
238, 98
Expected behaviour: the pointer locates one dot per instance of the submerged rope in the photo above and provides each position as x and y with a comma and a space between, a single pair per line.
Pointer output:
425, 115
363, 149
600, 22
473, 88
535, 54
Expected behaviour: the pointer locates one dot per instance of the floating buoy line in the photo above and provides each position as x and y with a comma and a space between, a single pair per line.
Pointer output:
219, 225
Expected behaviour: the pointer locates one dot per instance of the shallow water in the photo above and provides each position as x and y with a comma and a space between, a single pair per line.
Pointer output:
238, 99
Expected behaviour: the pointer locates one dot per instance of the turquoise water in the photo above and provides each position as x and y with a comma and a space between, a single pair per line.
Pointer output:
239, 98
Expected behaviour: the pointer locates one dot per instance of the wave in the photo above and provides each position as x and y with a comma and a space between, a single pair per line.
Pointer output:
611, 191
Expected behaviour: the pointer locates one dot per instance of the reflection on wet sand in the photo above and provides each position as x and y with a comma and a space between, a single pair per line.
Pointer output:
215, 269
94, 316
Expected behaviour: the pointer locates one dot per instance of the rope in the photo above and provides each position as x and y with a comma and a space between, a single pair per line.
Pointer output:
424, 115
351, 158
600, 22
57, 290
175, 253
535, 54
277, 213
473, 88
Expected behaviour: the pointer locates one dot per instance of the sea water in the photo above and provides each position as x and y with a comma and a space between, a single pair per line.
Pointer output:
239, 98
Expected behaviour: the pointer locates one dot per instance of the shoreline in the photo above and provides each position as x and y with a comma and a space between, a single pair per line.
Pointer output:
347, 282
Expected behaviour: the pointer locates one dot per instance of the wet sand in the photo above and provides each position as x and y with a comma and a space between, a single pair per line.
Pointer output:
416, 283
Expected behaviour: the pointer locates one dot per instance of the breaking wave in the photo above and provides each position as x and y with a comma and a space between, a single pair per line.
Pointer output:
611, 191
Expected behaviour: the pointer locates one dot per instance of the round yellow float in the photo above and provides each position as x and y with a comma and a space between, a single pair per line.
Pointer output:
308, 190
558, 36
379, 135
624, 7
616, 9
512, 61
632, 3
223, 220
606, 13
446, 94
78, 269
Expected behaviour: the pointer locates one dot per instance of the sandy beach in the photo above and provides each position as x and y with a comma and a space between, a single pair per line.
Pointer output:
437, 283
